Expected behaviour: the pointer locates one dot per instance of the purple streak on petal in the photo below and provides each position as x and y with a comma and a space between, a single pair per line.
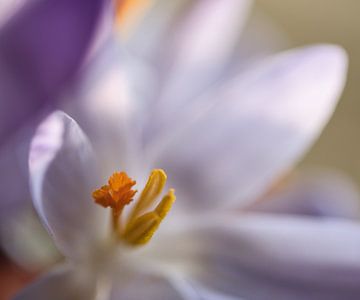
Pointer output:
41, 50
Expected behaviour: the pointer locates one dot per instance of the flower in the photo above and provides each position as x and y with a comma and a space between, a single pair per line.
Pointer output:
221, 149
204, 248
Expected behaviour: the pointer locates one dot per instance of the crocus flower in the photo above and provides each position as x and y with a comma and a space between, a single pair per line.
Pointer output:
207, 247
261, 123
203, 249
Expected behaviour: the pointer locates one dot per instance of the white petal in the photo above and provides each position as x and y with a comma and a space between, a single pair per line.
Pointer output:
140, 286
262, 256
319, 192
63, 175
253, 129
60, 284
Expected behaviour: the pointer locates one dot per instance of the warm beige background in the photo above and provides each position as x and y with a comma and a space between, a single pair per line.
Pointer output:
335, 21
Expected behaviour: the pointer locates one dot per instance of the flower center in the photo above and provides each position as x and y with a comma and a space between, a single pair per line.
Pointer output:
140, 225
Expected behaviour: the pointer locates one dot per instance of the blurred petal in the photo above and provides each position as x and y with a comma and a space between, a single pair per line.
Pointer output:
260, 37
26, 242
60, 284
129, 13
194, 290
63, 175
241, 138
254, 256
150, 287
195, 53
316, 193
8, 8
41, 49
206, 35
14, 174
106, 105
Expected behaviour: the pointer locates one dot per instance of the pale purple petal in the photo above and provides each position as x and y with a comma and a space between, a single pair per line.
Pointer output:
41, 49
63, 175
189, 34
146, 38
204, 38
194, 54
257, 256
194, 290
14, 174
252, 130
59, 284
321, 193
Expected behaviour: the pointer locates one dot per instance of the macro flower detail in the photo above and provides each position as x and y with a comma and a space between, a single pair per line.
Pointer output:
223, 141
139, 227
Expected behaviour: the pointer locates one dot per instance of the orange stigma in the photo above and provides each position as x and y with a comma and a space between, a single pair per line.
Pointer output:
117, 193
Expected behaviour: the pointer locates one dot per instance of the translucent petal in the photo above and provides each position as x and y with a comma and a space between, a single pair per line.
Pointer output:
252, 130
257, 256
63, 175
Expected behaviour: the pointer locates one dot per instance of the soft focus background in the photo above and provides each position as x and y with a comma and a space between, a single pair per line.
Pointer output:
335, 21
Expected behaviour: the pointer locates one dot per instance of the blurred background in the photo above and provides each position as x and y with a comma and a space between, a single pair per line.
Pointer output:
336, 21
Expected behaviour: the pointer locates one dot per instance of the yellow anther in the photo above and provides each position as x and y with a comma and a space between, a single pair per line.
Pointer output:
140, 226
152, 190
142, 229
165, 205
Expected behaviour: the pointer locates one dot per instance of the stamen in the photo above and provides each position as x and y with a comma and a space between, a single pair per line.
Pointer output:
163, 208
142, 229
152, 190
140, 226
